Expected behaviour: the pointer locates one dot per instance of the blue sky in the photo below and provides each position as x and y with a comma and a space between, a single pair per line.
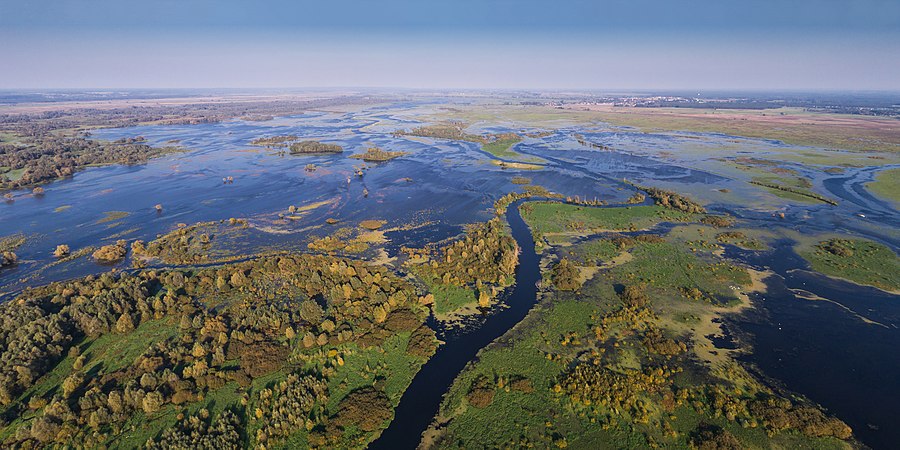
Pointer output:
567, 44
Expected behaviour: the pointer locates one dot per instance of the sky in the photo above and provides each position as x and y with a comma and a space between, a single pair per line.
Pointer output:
458, 44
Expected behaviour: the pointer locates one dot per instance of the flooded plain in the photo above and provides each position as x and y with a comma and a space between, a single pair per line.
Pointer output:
829, 340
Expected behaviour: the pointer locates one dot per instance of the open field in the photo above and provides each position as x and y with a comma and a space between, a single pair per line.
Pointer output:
789, 125
857, 260
887, 185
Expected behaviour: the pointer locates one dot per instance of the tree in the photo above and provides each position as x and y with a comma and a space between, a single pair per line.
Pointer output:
484, 299
124, 324
152, 402
565, 275
380, 314
61, 251
72, 383
311, 312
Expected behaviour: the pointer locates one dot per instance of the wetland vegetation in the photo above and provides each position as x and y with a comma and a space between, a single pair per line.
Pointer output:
303, 320
43, 158
621, 361
858, 260
290, 350
376, 154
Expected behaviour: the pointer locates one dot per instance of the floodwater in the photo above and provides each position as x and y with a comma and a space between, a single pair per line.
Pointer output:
830, 352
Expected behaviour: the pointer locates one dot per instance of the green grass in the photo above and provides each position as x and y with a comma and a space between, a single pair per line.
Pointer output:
515, 414
596, 251
887, 185
114, 351
560, 332
502, 148
14, 174
450, 298
553, 217
870, 264
387, 365
670, 266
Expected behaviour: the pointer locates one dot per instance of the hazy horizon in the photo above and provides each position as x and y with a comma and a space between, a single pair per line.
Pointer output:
576, 45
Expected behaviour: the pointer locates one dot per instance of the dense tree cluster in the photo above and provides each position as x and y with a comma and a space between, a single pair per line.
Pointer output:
230, 323
565, 275
452, 131
8, 258
615, 390
200, 432
709, 437
774, 413
455, 131
376, 154
672, 200
49, 157
717, 221
313, 147
111, 253
484, 259
274, 141
287, 407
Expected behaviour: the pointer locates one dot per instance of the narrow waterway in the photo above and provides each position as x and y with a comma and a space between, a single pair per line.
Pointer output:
420, 402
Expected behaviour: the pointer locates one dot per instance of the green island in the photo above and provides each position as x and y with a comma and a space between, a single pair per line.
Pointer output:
887, 185
376, 154
275, 141
46, 157
499, 145
553, 220
314, 147
858, 260
617, 354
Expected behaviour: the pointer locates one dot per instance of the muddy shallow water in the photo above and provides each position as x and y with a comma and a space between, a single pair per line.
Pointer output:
821, 349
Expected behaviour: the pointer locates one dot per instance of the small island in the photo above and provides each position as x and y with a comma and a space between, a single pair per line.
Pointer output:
314, 147
274, 141
376, 154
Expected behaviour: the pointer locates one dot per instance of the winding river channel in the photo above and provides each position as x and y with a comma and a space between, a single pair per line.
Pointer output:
421, 401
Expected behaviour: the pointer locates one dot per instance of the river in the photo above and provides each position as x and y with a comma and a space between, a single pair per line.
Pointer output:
421, 401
